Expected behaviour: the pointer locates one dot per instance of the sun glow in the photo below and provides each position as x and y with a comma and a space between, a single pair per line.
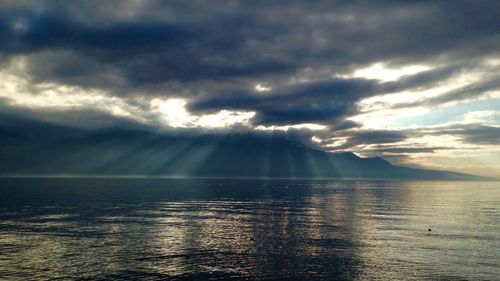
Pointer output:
261, 88
174, 114
380, 71
309, 126
171, 112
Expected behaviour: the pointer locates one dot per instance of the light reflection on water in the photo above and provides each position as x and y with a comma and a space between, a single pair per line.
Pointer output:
84, 228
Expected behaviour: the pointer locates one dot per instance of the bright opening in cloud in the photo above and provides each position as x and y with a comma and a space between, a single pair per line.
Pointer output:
225, 118
308, 126
294, 72
174, 114
260, 88
379, 71
315, 139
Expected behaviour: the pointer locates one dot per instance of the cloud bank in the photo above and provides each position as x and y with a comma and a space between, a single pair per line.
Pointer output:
399, 79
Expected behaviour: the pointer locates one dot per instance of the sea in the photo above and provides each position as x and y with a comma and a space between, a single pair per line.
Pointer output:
142, 228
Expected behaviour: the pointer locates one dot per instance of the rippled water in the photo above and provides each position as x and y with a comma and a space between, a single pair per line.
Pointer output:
200, 229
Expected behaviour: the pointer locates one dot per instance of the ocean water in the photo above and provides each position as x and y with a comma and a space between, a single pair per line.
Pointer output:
215, 229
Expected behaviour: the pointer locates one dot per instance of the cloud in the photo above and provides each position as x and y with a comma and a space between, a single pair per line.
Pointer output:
295, 65
355, 138
323, 102
154, 43
402, 150
80, 118
140, 51
473, 133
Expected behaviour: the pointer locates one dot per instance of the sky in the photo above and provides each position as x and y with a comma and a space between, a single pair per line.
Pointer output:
416, 82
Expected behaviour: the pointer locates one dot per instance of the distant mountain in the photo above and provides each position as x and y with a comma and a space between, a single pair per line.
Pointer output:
135, 152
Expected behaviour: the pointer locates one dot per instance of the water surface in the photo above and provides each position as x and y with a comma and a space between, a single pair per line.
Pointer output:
214, 229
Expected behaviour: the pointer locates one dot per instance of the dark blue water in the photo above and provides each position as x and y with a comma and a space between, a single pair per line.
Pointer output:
213, 229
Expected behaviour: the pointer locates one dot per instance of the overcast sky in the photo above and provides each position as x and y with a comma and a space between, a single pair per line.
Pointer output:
416, 82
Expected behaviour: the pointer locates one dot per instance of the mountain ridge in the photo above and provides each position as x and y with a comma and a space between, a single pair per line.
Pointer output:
132, 152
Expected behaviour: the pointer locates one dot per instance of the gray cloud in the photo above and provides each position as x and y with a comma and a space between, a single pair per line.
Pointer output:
316, 102
20, 118
388, 141
472, 133
213, 53
403, 149
324, 101
190, 41
363, 137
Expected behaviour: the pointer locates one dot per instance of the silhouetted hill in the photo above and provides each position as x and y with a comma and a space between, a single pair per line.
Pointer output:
233, 155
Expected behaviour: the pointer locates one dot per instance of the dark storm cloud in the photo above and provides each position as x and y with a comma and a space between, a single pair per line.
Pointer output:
316, 102
214, 52
227, 40
140, 52
323, 114
324, 102
53, 30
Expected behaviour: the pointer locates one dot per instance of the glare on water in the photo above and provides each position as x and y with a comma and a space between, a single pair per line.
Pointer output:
248, 229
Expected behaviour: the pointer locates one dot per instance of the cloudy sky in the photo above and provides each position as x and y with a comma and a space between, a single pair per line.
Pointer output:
416, 82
